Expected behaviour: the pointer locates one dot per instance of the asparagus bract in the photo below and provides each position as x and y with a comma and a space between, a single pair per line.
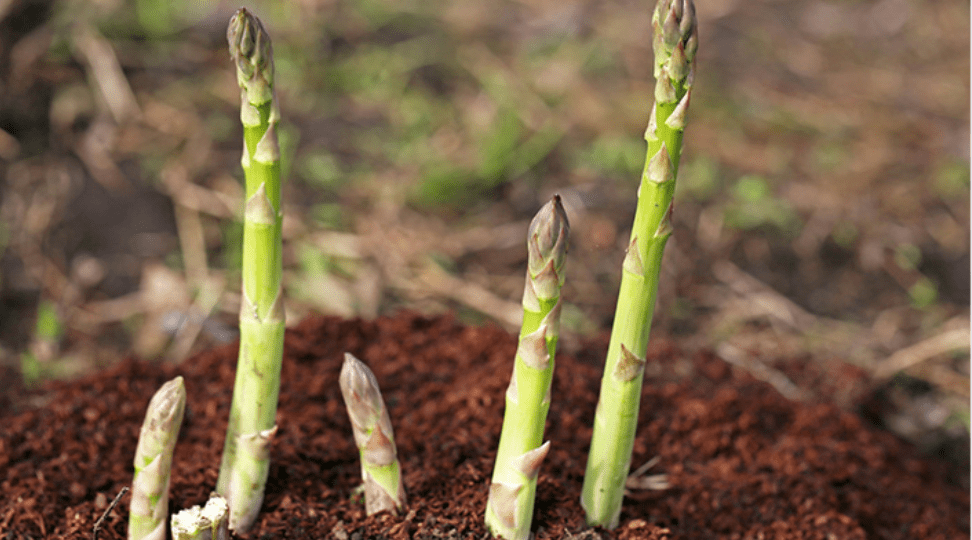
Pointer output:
509, 509
675, 43
246, 453
153, 462
209, 522
380, 471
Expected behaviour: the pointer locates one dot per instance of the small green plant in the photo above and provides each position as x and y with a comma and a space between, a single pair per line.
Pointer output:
252, 423
380, 471
36, 364
753, 206
509, 509
675, 43
153, 462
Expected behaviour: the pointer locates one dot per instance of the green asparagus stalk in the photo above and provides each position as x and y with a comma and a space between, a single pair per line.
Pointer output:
209, 522
509, 508
380, 471
153, 462
615, 421
246, 453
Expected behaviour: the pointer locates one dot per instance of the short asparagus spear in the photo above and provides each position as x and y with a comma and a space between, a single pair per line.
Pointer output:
380, 471
246, 453
675, 43
509, 508
153, 461
209, 522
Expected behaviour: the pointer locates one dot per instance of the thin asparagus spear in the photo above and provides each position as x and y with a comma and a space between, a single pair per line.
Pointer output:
373, 435
209, 522
675, 44
509, 509
246, 454
153, 462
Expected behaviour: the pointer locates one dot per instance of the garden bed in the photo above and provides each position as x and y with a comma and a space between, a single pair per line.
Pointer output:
741, 461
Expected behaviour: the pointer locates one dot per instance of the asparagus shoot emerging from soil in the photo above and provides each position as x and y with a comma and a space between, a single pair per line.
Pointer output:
153, 462
380, 471
208, 522
509, 509
246, 453
675, 43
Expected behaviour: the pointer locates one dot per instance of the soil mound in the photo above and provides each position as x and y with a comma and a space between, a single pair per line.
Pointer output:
741, 461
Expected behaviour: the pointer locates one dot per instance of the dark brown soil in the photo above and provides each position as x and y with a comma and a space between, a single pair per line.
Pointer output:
743, 462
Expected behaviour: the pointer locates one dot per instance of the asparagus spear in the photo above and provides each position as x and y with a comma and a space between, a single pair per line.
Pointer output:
246, 453
675, 44
509, 509
203, 523
153, 462
380, 470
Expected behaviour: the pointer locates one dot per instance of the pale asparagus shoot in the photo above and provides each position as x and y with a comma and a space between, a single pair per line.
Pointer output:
252, 422
153, 462
210, 522
380, 471
509, 508
675, 43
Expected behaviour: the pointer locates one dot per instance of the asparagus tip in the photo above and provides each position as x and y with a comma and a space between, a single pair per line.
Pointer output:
550, 227
166, 406
360, 389
366, 408
675, 24
247, 37
547, 250
252, 51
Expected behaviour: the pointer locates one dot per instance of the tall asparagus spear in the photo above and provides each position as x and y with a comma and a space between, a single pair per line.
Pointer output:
509, 509
380, 470
675, 44
246, 454
153, 462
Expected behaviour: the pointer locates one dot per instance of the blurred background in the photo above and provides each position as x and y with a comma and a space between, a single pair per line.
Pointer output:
822, 208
